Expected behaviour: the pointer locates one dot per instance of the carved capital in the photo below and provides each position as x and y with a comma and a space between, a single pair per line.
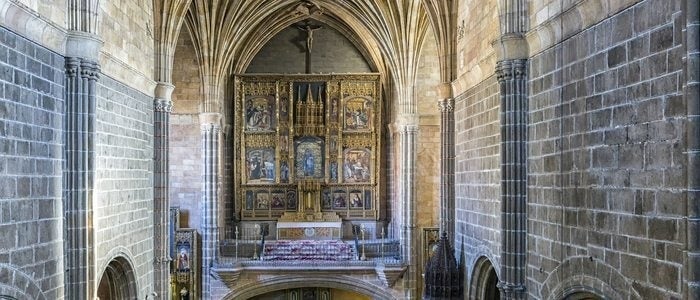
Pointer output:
162, 105
511, 69
446, 105
72, 66
89, 70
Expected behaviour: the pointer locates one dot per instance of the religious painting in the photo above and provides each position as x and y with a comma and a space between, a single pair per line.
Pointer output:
284, 172
262, 200
356, 165
184, 262
292, 200
339, 199
277, 201
333, 172
249, 199
309, 158
326, 199
259, 113
260, 165
357, 114
183, 257
356, 200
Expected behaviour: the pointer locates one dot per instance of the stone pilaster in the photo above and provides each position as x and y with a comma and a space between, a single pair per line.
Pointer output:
407, 196
692, 94
211, 129
162, 107
447, 168
512, 79
79, 172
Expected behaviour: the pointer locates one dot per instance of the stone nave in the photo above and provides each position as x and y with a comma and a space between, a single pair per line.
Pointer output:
354, 149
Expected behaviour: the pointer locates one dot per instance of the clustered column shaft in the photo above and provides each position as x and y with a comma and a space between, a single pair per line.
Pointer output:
162, 107
407, 186
447, 168
79, 172
211, 128
512, 79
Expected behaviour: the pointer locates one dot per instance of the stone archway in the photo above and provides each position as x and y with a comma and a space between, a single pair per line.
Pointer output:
582, 296
117, 281
484, 283
339, 282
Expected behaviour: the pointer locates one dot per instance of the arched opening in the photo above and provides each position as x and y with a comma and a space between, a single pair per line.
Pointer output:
311, 293
340, 287
484, 281
582, 296
117, 281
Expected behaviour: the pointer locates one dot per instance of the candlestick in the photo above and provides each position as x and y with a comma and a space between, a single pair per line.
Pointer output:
362, 230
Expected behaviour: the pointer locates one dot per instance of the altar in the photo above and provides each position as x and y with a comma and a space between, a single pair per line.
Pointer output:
292, 230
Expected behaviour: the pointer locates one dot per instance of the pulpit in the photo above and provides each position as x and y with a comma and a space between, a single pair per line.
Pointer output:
309, 222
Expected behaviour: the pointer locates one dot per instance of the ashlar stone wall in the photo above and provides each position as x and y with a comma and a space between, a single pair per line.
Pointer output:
478, 173
123, 202
31, 153
607, 171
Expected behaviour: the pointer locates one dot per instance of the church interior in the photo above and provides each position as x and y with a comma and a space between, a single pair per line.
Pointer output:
354, 149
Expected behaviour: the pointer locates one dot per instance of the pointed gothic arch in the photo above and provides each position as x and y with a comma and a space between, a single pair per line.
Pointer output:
484, 280
117, 281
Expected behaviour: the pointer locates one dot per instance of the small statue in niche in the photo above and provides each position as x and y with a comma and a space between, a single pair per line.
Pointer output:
308, 163
334, 171
284, 172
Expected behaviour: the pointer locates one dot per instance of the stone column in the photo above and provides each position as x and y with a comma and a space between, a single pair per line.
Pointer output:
692, 94
407, 195
512, 79
211, 128
79, 172
162, 106
447, 168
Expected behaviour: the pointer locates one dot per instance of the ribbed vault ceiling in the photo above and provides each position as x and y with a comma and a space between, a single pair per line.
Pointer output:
228, 33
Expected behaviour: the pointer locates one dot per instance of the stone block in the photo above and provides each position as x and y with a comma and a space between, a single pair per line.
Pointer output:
663, 229
617, 56
634, 267
666, 276
661, 39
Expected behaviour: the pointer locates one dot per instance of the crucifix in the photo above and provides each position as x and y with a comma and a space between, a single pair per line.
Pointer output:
309, 41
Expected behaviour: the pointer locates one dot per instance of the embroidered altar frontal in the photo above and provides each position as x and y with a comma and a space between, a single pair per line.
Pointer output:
310, 147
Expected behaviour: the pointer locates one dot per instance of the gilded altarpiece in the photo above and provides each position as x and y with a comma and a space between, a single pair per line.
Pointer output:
309, 144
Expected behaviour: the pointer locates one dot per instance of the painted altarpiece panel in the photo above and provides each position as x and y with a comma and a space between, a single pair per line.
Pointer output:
356, 165
260, 113
357, 114
260, 165
309, 159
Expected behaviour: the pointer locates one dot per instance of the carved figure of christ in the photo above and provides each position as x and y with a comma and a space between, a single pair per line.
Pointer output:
309, 42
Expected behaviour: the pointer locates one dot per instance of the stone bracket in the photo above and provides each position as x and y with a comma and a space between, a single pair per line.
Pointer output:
389, 275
